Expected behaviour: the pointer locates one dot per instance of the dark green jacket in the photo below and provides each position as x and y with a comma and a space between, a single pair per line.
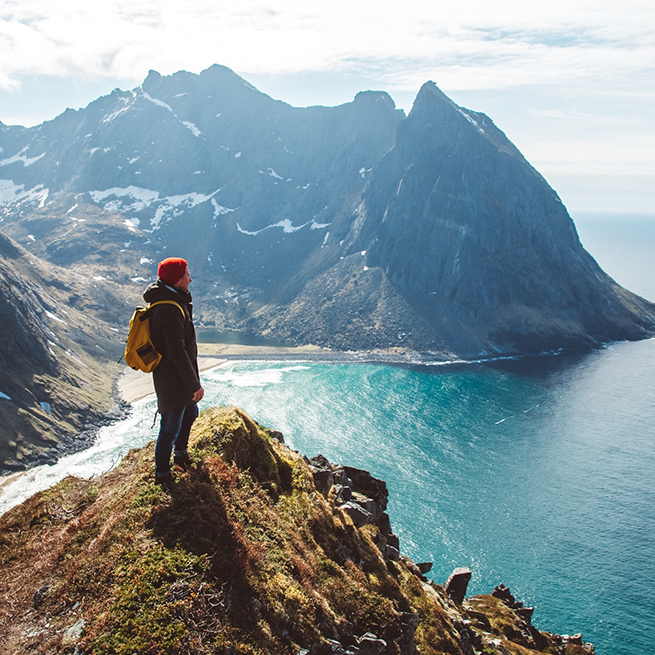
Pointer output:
176, 377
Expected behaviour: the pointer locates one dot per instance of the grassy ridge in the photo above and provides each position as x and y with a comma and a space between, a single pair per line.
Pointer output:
240, 555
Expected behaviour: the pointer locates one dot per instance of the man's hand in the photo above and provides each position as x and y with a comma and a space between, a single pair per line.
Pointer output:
197, 396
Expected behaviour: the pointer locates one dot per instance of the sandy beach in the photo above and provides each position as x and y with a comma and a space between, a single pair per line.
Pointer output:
135, 385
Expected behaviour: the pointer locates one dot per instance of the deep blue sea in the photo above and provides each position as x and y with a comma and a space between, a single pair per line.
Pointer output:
539, 474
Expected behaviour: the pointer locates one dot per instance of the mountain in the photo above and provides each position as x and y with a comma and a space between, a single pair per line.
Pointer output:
58, 360
353, 227
253, 551
482, 247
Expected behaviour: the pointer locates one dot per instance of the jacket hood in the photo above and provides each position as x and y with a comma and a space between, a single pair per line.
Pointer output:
161, 291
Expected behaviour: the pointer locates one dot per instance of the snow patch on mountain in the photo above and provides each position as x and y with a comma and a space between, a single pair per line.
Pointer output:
127, 103
192, 127
11, 193
287, 226
175, 205
136, 197
319, 226
219, 209
27, 161
160, 103
54, 317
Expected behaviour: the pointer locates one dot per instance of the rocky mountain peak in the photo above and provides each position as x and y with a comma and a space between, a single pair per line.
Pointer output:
436, 215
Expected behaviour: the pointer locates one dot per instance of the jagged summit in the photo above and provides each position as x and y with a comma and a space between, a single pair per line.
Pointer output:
434, 107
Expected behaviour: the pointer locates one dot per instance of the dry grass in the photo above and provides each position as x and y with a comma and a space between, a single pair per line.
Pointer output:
241, 555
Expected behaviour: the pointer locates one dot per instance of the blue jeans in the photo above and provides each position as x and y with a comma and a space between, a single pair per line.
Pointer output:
174, 431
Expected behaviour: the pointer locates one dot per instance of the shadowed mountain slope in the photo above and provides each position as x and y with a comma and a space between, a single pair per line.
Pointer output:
58, 358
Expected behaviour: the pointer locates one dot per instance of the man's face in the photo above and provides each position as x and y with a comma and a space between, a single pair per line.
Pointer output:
184, 281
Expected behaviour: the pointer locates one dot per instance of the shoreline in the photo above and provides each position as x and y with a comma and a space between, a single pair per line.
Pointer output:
131, 386
135, 385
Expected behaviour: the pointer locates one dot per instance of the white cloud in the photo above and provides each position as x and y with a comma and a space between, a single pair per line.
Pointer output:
580, 54
476, 44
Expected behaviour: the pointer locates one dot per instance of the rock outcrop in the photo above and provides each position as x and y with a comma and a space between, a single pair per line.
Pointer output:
457, 584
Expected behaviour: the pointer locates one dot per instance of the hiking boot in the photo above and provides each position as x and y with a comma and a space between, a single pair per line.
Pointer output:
164, 480
183, 461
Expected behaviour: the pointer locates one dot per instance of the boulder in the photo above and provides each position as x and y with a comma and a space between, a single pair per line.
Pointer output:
457, 584
372, 487
341, 494
357, 513
322, 480
392, 553
322, 471
369, 644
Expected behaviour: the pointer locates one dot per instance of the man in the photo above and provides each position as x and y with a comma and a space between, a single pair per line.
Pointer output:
176, 378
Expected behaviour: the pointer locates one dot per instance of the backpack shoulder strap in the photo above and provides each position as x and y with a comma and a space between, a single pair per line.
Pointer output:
168, 302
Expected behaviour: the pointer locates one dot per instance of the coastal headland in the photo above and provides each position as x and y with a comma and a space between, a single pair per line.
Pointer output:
255, 550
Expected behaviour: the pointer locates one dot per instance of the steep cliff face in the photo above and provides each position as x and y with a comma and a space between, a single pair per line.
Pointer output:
351, 227
463, 226
252, 551
57, 362
24, 320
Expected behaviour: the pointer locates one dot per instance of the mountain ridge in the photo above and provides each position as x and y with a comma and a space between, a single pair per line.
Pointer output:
462, 238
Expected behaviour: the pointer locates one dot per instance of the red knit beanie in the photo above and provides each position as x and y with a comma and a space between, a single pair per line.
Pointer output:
171, 270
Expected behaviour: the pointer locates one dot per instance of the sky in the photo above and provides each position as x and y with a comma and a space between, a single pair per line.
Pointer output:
571, 82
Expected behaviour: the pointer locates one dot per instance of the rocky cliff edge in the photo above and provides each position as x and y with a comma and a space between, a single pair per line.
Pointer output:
254, 550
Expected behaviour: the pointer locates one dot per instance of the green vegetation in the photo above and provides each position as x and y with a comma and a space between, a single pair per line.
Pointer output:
241, 555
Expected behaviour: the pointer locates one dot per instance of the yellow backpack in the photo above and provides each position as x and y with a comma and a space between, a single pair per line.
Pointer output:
140, 353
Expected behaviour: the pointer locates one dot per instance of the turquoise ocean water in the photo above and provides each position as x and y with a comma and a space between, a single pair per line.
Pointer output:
537, 473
